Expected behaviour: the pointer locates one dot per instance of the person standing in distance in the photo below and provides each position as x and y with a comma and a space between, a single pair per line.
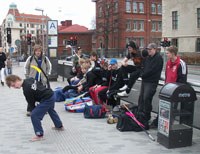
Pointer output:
2, 65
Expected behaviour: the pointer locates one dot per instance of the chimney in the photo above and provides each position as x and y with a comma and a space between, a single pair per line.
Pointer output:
66, 23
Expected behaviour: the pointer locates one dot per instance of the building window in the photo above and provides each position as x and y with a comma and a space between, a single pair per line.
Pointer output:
27, 25
20, 24
128, 25
174, 42
198, 17
32, 32
135, 25
21, 31
153, 8
174, 20
159, 9
153, 28
142, 25
64, 42
100, 44
128, 40
135, 10
115, 7
32, 25
141, 7
115, 25
159, 26
139, 42
128, 6
100, 11
198, 44
107, 9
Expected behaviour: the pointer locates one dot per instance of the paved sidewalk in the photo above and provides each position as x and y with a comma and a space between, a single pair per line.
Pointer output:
81, 136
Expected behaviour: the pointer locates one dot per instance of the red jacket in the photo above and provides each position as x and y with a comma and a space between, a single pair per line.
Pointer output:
176, 71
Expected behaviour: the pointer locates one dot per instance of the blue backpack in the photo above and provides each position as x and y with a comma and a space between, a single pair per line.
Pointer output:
95, 111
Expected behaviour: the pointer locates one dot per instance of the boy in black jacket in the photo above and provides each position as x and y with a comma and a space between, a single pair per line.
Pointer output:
34, 91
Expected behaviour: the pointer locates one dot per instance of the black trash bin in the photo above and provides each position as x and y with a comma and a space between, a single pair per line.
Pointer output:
175, 120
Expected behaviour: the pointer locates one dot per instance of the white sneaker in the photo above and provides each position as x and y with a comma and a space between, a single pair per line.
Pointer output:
124, 87
123, 94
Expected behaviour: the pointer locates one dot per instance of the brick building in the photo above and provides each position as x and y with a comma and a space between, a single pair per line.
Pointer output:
67, 30
119, 21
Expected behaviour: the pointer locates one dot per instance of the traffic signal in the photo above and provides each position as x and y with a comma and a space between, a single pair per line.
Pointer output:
75, 41
165, 43
71, 40
9, 39
29, 39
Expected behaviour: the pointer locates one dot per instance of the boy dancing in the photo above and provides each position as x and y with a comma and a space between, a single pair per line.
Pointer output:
34, 91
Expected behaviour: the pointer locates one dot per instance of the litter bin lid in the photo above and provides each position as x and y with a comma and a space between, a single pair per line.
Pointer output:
177, 92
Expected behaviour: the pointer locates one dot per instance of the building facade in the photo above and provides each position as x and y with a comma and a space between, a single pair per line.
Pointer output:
66, 30
181, 24
21, 25
119, 21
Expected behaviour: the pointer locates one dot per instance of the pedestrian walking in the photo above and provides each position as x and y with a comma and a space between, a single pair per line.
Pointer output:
42, 62
2, 66
36, 91
9, 65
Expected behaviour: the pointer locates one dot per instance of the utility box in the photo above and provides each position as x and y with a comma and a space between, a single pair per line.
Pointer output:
175, 117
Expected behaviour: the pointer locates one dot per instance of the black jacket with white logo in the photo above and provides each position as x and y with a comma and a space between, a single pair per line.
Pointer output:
34, 91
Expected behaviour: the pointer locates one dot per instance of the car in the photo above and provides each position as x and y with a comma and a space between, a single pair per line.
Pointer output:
70, 58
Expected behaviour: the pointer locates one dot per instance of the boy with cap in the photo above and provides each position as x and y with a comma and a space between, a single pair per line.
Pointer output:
34, 91
113, 76
150, 75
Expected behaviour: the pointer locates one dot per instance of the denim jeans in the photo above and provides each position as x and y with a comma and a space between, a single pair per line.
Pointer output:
9, 70
147, 91
46, 105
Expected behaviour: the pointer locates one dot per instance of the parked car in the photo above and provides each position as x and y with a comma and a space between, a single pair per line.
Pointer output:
70, 58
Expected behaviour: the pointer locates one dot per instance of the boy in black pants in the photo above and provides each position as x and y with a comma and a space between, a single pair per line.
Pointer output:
34, 91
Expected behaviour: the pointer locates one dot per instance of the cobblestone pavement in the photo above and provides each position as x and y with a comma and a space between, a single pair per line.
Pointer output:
81, 136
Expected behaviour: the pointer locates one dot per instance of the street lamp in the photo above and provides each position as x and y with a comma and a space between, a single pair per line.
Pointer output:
42, 10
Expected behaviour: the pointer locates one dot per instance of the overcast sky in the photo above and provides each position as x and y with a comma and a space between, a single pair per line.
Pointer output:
81, 12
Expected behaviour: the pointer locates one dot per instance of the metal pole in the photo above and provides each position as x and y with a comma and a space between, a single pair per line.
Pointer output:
164, 58
43, 31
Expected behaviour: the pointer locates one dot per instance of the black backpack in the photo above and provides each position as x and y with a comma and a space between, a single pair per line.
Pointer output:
126, 123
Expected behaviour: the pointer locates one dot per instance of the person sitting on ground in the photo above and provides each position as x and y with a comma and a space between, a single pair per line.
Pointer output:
71, 90
98, 87
112, 83
74, 80
176, 71
35, 91
138, 58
